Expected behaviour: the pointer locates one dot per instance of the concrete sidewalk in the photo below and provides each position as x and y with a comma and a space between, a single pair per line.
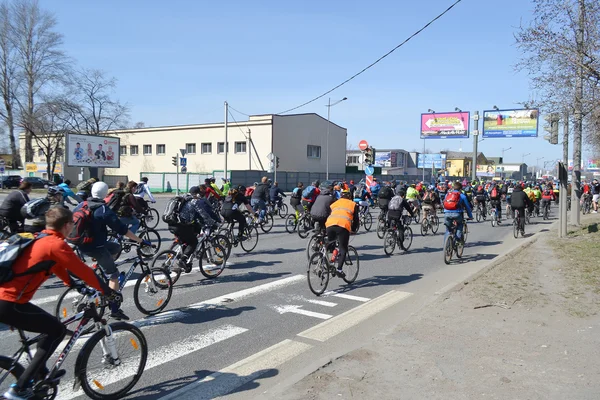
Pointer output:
526, 328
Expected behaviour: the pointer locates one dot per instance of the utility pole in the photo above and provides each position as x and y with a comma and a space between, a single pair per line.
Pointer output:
249, 150
423, 160
225, 146
578, 111
475, 140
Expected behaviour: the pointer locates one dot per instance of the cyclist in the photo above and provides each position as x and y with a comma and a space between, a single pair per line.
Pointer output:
509, 191
309, 194
259, 199
413, 197
375, 188
142, 190
35, 217
342, 220
481, 197
455, 204
84, 188
322, 206
518, 201
210, 192
49, 254
430, 199
195, 213
12, 204
99, 247
296, 198
496, 200
213, 185
128, 207
361, 195
538, 196
231, 209
547, 198
385, 195
226, 186
67, 192
276, 195
396, 207
595, 194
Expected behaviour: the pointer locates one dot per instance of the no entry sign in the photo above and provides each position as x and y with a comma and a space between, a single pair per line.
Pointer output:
363, 145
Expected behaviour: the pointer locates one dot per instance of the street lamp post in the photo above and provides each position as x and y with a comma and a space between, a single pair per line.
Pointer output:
329, 105
523, 162
503, 150
537, 161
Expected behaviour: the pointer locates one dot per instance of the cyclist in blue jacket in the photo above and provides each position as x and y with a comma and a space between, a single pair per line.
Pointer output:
455, 204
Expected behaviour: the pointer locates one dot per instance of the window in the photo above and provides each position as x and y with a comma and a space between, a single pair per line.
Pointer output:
206, 148
133, 150
147, 149
240, 147
190, 148
353, 160
313, 151
123, 150
221, 146
161, 149
40, 152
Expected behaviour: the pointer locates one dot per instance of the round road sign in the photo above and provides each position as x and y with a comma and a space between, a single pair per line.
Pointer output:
363, 145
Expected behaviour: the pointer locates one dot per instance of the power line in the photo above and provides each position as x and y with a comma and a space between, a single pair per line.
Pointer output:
239, 112
243, 133
377, 61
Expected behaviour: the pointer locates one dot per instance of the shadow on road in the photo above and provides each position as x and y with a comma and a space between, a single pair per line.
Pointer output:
424, 250
379, 280
249, 277
276, 251
476, 257
222, 383
481, 243
241, 264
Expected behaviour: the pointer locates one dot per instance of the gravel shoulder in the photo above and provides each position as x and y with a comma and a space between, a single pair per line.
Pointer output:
525, 329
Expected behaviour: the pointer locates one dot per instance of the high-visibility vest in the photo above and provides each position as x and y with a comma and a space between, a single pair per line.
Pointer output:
342, 214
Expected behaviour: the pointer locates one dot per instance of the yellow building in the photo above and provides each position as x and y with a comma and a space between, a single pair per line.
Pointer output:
459, 163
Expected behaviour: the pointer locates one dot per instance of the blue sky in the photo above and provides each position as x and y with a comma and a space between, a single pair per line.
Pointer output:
177, 62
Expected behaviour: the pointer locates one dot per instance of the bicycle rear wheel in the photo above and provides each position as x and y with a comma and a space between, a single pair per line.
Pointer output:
424, 227
153, 237
516, 228
304, 227
381, 229
216, 259
368, 221
312, 246
103, 377
267, 224
460, 246
435, 223
283, 210
478, 214
407, 238
224, 242
153, 291
351, 265
389, 242
251, 240
168, 260
448, 248
290, 223
317, 274
465, 231
152, 218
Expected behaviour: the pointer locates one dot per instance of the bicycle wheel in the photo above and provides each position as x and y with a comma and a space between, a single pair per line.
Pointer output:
424, 227
417, 216
448, 248
381, 227
407, 238
152, 218
317, 274
435, 223
515, 228
351, 265
478, 215
251, 240
291, 223
72, 302
216, 260
460, 246
224, 242
267, 224
368, 221
103, 377
304, 227
389, 242
312, 246
406, 219
494, 219
153, 237
283, 210
10, 372
168, 260
465, 231
153, 290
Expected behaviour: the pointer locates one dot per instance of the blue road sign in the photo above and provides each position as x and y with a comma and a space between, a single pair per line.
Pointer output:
369, 170
183, 161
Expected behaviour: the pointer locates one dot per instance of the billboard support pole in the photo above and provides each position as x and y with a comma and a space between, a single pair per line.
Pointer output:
177, 176
423, 159
475, 143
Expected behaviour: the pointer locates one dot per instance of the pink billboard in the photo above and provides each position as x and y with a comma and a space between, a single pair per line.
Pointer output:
445, 125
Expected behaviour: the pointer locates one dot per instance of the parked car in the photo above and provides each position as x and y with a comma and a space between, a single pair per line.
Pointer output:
38, 183
11, 181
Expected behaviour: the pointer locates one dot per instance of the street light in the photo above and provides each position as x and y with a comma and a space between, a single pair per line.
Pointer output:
523, 162
329, 105
503, 150
536, 165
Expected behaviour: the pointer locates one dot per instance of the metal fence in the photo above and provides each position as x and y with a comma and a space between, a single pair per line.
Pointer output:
111, 180
166, 182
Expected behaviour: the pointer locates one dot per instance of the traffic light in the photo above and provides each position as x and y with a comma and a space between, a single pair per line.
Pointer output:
553, 119
277, 162
174, 160
369, 156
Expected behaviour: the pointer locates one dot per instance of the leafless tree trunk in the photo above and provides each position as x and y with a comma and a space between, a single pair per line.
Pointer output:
8, 81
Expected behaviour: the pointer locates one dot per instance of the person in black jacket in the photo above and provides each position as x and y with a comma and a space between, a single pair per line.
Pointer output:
259, 199
11, 207
518, 201
385, 195
276, 195
395, 213
322, 206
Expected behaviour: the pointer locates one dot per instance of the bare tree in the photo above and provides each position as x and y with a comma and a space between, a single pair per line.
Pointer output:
48, 128
8, 83
139, 125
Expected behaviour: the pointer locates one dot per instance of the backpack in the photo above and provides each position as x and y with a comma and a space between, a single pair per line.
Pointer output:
174, 205
494, 194
82, 220
249, 192
140, 188
308, 192
114, 200
395, 203
296, 193
10, 250
451, 201
510, 190
547, 193
386, 193
84, 186
428, 198
31, 208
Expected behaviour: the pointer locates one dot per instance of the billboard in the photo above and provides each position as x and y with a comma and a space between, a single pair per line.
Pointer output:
93, 151
486, 170
383, 159
593, 165
510, 123
438, 161
445, 125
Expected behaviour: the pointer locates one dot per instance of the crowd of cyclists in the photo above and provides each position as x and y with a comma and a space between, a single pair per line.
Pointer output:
335, 209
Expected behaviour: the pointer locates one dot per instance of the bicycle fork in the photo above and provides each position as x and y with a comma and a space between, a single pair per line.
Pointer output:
109, 348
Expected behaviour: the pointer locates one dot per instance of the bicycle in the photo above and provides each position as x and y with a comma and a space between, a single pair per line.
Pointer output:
453, 244
430, 222
315, 242
381, 224
494, 216
479, 214
277, 208
145, 233
546, 212
305, 225
321, 265
586, 206
365, 218
103, 353
250, 236
265, 225
517, 227
397, 233
208, 248
154, 282
151, 217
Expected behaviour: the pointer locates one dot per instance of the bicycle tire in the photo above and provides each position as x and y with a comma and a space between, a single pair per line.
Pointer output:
351, 265
9, 367
493, 219
381, 227
304, 227
215, 262
478, 215
152, 218
465, 231
389, 242
267, 223
318, 270
435, 224
417, 216
407, 238
159, 288
137, 341
283, 211
516, 228
460, 247
152, 236
66, 308
368, 221
224, 242
424, 227
312, 246
291, 223
448, 249
167, 260
251, 239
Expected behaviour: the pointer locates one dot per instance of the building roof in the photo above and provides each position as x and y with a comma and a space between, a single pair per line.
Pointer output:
459, 155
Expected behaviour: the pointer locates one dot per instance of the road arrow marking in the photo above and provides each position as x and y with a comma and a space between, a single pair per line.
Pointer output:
298, 310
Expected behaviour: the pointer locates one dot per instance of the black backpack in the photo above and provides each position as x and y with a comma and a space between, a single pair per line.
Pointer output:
140, 188
171, 216
11, 249
114, 200
386, 193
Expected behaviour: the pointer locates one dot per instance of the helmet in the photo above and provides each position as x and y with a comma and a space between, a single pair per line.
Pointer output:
145, 180
54, 190
241, 188
346, 193
431, 187
400, 192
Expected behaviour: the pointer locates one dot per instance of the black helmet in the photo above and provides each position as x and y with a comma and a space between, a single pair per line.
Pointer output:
145, 180
241, 188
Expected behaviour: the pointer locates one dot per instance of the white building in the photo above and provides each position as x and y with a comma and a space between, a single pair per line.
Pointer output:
387, 159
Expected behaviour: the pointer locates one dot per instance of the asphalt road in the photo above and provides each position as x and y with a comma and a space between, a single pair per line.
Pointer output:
211, 339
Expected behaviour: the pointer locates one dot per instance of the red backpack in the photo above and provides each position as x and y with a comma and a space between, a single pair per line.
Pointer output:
494, 194
451, 201
82, 218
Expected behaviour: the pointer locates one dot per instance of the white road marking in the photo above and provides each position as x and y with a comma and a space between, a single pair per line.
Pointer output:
157, 357
348, 296
246, 370
336, 325
322, 303
298, 310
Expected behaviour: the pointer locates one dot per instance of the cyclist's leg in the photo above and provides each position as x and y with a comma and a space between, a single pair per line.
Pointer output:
133, 221
239, 218
331, 236
263, 209
459, 225
31, 318
344, 238
448, 220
